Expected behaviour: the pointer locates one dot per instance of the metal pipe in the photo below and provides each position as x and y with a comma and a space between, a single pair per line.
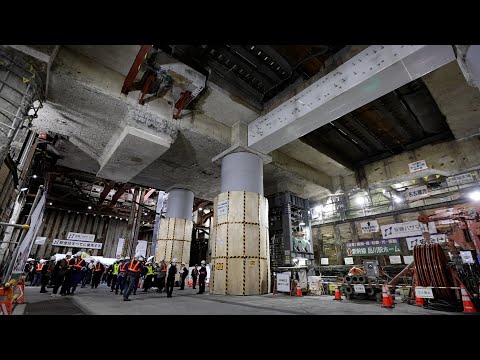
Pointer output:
21, 226
24, 232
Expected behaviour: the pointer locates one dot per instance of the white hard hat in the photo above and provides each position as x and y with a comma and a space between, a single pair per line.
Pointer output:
174, 260
127, 257
148, 263
122, 258
163, 260
203, 262
183, 263
150, 258
42, 261
140, 258
53, 257
69, 253
79, 253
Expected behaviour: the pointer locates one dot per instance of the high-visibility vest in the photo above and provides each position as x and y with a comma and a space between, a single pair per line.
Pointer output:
78, 264
39, 267
123, 268
134, 268
115, 269
98, 267
149, 270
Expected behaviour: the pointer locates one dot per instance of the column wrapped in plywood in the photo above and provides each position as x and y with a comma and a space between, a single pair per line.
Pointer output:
174, 240
239, 244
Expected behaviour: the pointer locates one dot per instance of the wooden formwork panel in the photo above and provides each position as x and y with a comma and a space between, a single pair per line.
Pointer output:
177, 250
163, 229
222, 218
218, 284
252, 240
235, 276
235, 239
179, 229
212, 242
221, 240
168, 250
252, 276
186, 252
264, 275
170, 228
235, 206
251, 207
264, 251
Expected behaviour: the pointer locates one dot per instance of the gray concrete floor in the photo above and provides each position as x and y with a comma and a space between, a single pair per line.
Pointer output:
103, 302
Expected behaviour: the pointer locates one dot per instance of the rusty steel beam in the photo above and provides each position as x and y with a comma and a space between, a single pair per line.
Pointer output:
105, 191
119, 193
132, 74
202, 204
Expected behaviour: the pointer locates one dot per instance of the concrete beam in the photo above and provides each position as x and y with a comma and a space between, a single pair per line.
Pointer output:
132, 152
301, 169
367, 76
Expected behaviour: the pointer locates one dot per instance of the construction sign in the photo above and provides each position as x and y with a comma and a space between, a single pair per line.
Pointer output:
372, 248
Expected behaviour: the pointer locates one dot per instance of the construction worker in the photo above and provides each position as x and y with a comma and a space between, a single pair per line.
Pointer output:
122, 275
46, 272
171, 271
67, 281
147, 284
134, 271
87, 279
162, 275
183, 275
194, 275
78, 266
202, 277
58, 275
98, 270
37, 278
115, 268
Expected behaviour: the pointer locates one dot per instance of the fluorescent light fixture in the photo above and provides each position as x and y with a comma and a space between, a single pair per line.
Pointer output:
360, 200
23, 189
474, 195
302, 224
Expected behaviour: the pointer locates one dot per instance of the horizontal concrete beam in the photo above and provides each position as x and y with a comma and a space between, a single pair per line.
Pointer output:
301, 170
374, 72
134, 150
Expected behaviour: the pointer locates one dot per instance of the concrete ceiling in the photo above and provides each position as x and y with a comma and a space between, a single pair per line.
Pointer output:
86, 106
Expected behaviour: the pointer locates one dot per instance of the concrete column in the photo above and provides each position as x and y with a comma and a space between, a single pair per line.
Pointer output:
239, 236
175, 231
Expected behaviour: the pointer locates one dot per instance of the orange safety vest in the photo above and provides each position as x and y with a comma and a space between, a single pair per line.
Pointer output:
123, 267
134, 268
98, 267
77, 263
39, 267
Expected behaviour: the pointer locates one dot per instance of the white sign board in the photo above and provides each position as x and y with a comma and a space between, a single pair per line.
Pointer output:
40, 240
323, 261
460, 179
395, 259
448, 211
423, 292
77, 244
118, 253
359, 288
417, 166
283, 282
222, 208
348, 260
410, 228
80, 237
369, 226
407, 259
141, 248
467, 257
431, 228
419, 240
446, 222
314, 283
416, 193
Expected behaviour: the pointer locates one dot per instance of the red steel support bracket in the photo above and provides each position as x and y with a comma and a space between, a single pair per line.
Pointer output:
182, 102
132, 74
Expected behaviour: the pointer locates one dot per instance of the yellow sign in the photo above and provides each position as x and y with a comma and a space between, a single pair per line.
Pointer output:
252, 262
219, 266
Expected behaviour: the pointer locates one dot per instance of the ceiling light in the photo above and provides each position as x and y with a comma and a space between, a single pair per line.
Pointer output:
302, 224
475, 195
360, 200
34, 176
23, 189
397, 199
200, 209
89, 207
50, 203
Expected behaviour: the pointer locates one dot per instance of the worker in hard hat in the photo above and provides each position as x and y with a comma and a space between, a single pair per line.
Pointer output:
115, 268
202, 276
171, 271
37, 277
78, 265
194, 275
147, 284
161, 275
98, 270
87, 279
46, 273
183, 275
122, 274
67, 281
133, 275
58, 275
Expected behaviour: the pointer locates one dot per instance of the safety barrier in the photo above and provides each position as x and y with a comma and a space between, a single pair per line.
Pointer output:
11, 294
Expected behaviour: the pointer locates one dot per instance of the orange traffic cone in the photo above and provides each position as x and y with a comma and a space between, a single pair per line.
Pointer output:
190, 283
468, 306
299, 290
418, 300
338, 296
387, 298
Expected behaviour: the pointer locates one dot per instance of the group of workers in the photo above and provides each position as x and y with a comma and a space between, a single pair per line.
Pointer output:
124, 274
